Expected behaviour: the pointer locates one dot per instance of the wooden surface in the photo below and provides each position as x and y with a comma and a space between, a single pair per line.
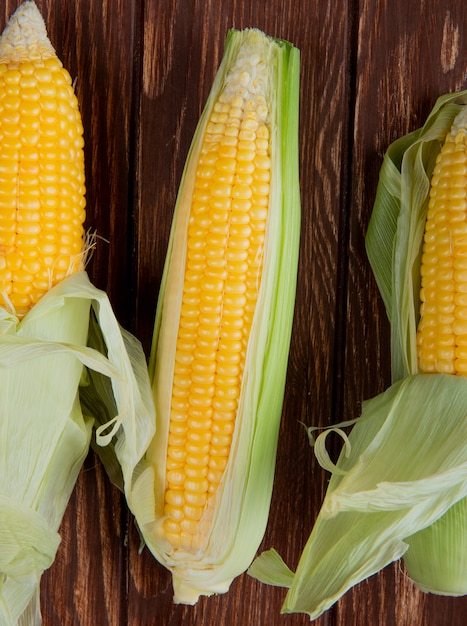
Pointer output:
371, 71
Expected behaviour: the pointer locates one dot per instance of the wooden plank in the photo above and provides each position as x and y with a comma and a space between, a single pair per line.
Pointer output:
95, 41
370, 72
406, 57
85, 583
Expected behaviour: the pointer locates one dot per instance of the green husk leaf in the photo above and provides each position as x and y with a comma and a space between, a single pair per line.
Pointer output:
122, 436
322, 454
389, 491
395, 231
44, 432
247, 484
40, 375
407, 462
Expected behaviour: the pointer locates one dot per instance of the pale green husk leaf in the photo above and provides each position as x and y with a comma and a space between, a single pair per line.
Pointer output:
44, 432
241, 507
436, 559
388, 492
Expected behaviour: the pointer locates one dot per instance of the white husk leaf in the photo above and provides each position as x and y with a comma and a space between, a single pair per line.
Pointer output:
436, 559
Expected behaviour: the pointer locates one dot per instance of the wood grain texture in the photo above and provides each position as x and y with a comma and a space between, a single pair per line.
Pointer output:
371, 71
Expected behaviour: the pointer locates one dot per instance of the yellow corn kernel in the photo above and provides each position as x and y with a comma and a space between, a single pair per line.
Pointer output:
442, 330
223, 323
42, 190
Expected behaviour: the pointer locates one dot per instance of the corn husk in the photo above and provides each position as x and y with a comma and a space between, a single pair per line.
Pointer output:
406, 463
242, 502
46, 360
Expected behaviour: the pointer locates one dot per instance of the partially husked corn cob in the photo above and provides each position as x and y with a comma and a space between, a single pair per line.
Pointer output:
41, 165
436, 560
442, 331
399, 487
398, 490
224, 318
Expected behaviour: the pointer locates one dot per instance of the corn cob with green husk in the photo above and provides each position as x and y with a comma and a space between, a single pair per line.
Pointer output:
223, 324
399, 486
52, 320
437, 559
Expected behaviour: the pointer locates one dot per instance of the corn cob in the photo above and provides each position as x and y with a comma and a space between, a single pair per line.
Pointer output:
226, 304
42, 205
436, 560
399, 487
442, 331
62, 368
418, 228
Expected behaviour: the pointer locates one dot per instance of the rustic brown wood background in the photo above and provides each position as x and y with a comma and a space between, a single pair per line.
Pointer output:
371, 71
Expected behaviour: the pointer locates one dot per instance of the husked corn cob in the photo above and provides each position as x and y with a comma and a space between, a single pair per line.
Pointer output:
223, 321
42, 205
226, 233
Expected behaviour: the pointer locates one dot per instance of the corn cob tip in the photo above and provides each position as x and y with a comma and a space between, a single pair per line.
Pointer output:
25, 36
